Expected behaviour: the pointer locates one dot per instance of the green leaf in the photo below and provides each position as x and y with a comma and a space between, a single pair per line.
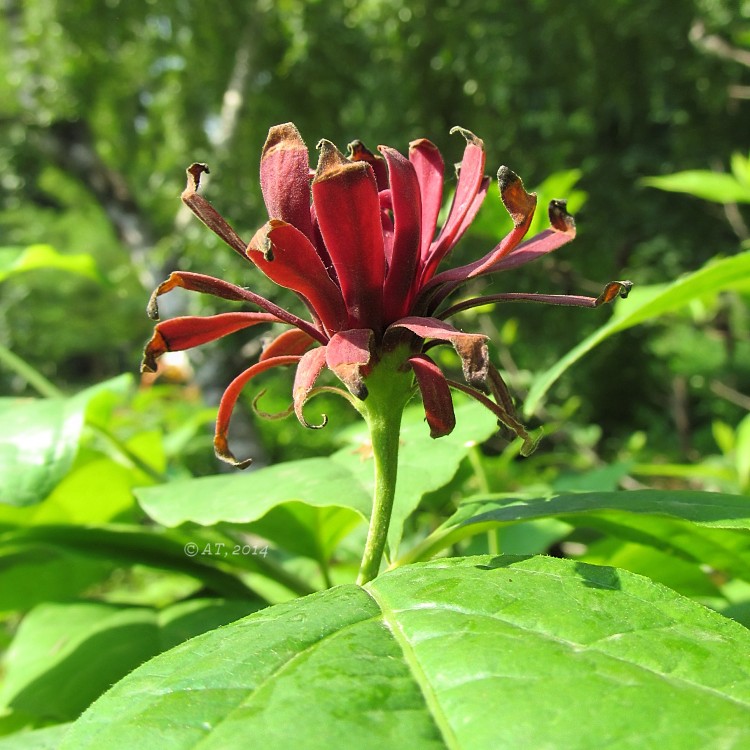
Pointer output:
599, 509
648, 303
45, 257
48, 738
705, 508
246, 497
33, 573
466, 653
344, 480
133, 545
39, 441
711, 186
65, 655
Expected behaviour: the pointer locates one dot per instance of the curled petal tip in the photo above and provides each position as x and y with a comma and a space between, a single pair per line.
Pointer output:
154, 349
152, 308
559, 217
194, 172
613, 290
470, 137
221, 449
519, 204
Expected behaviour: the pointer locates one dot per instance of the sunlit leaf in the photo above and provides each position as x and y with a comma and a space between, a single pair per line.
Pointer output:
467, 653
648, 303
44, 257
711, 186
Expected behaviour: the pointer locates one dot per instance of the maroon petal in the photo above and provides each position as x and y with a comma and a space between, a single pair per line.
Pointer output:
407, 215
469, 185
502, 415
613, 290
348, 211
178, 334
287, 257
308, 370
562, 231
471, 347
428, 166
228, 401
206, 212
436, 395
285, 177
520, 205
348, 354
359, 152
291, 342
198, 282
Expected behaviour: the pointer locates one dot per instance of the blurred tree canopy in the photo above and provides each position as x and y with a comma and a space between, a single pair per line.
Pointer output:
103, 105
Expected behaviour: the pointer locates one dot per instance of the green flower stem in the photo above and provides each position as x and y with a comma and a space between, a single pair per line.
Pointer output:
389, 391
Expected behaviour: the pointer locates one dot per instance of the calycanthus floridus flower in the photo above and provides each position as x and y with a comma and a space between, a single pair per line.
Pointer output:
357, 241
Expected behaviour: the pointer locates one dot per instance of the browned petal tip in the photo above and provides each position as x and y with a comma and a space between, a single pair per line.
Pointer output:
154, 349
470, 137
559, 217
221, 449
359, 152
422, 143
332, 162
281, 137
519, 204
613, 290
194, 172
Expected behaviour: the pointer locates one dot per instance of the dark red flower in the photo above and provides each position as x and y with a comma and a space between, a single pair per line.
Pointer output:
357, 241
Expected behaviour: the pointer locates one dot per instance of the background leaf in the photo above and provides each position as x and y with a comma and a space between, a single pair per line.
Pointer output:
646, 304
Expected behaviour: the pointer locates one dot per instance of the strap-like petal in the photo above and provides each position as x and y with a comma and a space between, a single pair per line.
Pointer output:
520, 205
407, 216
178, 334
469, 185
613, 290
288, 257
285, 177
206, 212
348, 354
471, 347
308, 371
228, 401
348, 211
436, 395
291, 342
429, 168
198, 282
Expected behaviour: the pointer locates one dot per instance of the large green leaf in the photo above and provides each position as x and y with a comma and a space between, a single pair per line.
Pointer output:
246, 497
467, 653
345, 480
648, 303
708, 509
48, 738
65, 655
